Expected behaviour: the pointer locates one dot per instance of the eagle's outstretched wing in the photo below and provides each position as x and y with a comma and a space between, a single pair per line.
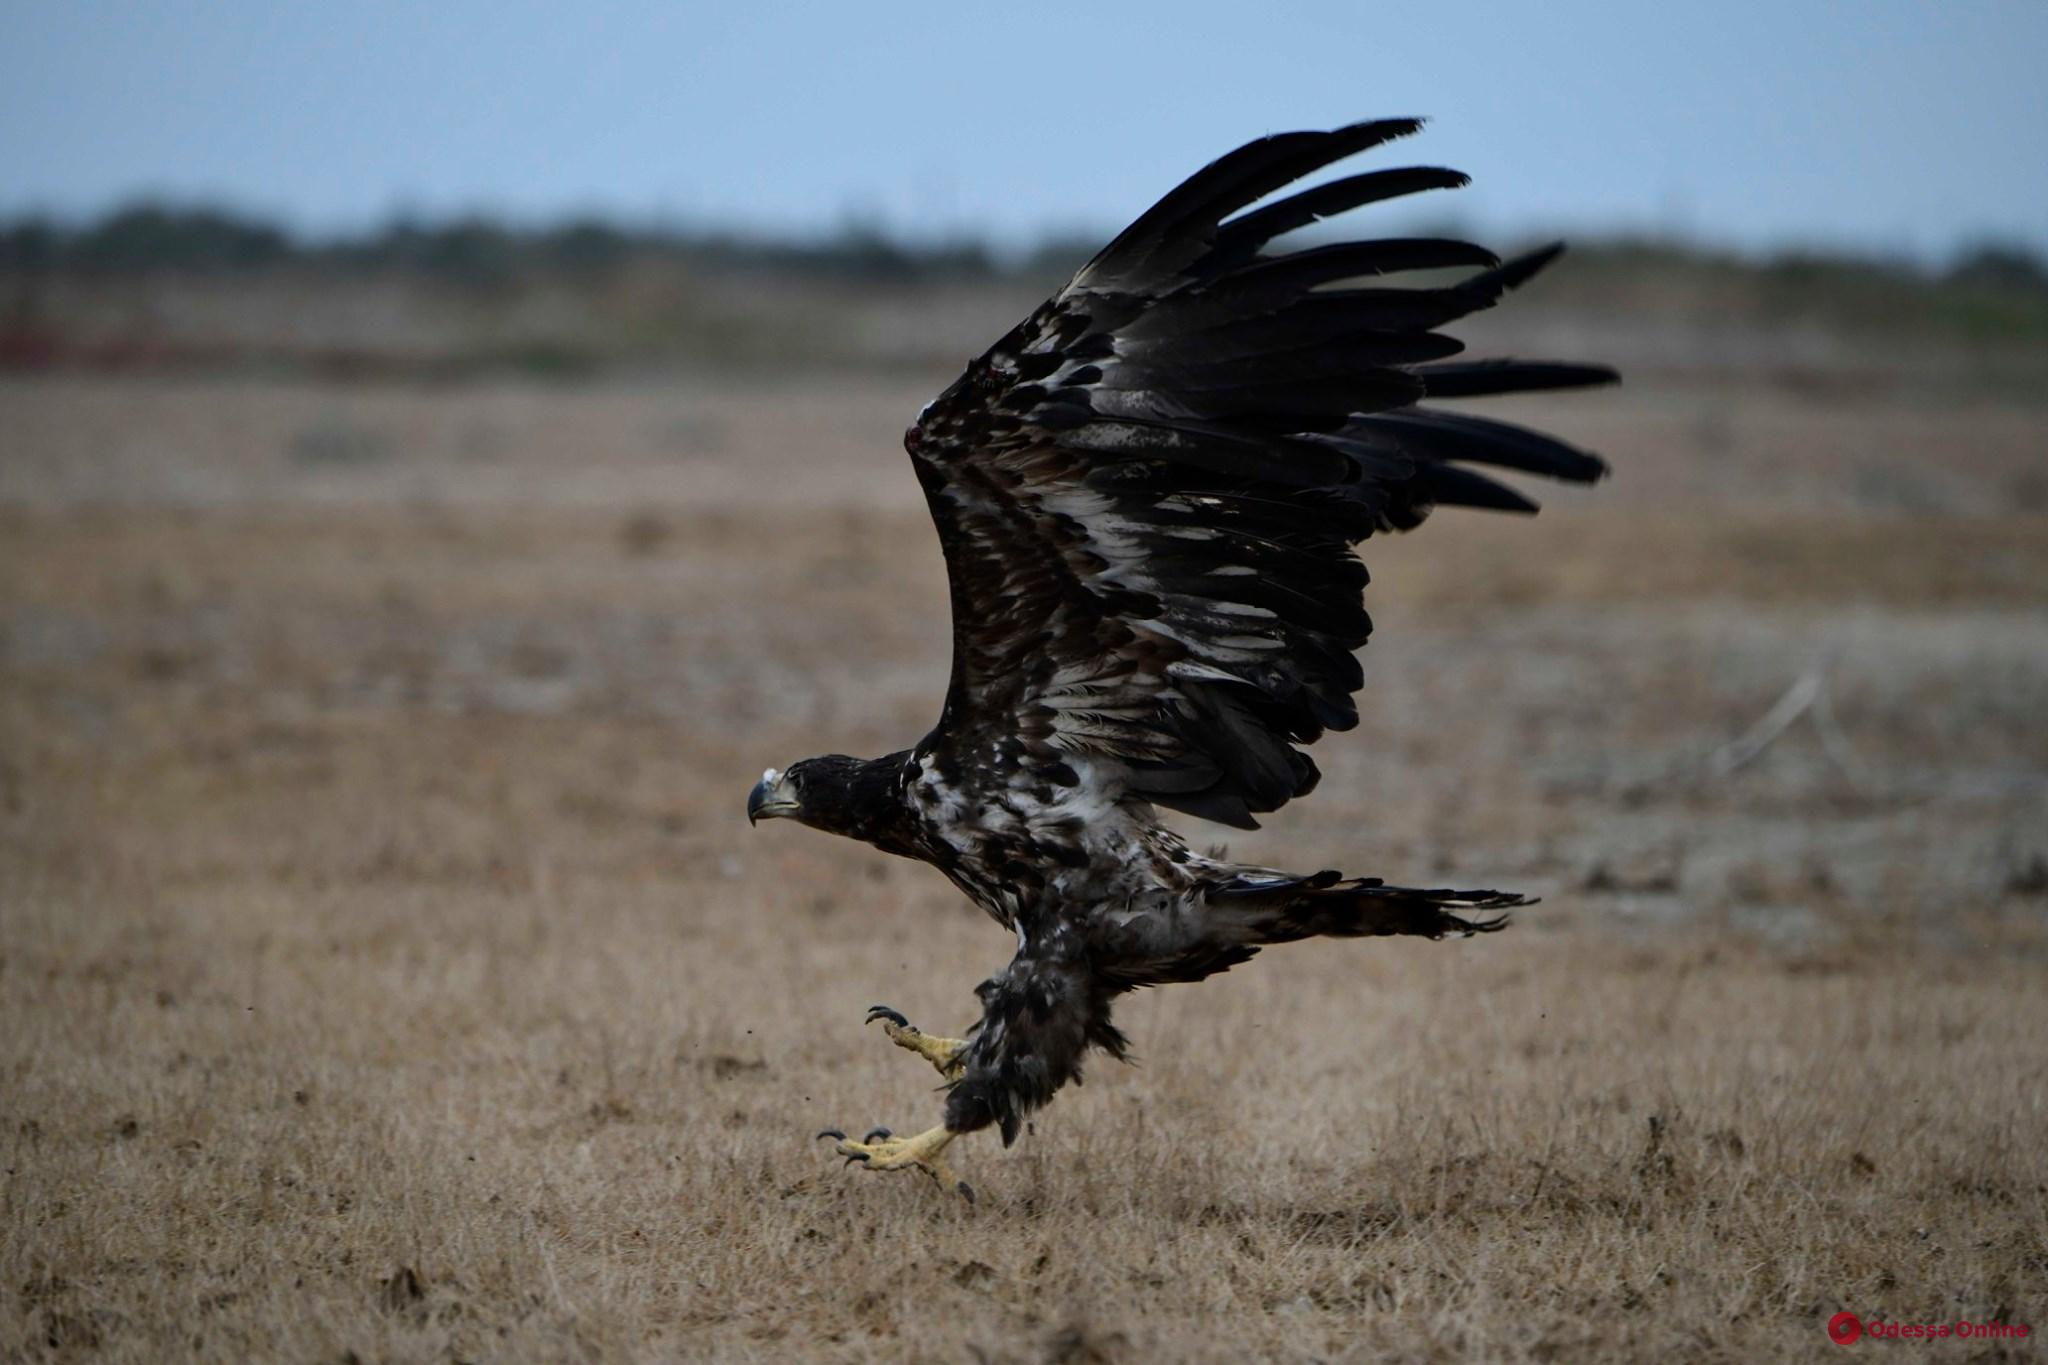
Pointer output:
1149, 489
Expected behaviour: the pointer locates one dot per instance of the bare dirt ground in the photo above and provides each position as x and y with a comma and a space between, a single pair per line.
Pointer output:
387, 970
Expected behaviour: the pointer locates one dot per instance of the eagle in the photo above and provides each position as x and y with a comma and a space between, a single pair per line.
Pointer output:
1148, 493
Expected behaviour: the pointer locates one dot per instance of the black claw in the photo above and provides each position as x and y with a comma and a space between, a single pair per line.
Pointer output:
874, 1133
857, 1156
884, 1012
832, 1133
966, 1191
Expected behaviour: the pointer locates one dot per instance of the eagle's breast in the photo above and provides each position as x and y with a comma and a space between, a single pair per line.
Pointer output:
1027, 849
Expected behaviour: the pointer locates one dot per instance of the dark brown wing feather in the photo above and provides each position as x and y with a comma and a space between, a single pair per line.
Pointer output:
1148, 491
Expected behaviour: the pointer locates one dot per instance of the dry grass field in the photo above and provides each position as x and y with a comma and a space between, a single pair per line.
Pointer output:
388, 971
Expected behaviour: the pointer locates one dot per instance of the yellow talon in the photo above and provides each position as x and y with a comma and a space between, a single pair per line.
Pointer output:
948, 1055
879, 1151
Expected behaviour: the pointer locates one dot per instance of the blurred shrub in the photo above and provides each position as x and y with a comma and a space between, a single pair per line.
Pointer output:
2000, 265
152, 237
147, 237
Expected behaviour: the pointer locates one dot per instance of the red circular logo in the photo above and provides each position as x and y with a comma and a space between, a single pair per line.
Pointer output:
1844, 1328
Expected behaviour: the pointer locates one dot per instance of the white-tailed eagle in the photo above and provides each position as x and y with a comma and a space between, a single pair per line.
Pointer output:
1148, 493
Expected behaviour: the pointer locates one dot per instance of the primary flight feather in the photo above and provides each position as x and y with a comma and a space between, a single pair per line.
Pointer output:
1148, 493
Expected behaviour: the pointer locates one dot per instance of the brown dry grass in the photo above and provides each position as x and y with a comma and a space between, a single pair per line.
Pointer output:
386, 971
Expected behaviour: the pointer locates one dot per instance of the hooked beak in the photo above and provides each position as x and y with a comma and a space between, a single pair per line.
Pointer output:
770, 799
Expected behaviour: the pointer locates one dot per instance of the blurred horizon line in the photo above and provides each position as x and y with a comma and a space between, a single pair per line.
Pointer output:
149, 229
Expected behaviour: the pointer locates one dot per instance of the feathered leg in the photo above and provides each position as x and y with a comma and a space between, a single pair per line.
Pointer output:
1039, 1015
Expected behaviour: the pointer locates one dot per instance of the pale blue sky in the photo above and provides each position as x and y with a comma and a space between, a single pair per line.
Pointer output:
1884, 125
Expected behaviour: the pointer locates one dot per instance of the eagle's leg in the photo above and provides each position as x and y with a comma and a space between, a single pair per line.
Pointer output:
945, 1054
881, 1150
1039, 1016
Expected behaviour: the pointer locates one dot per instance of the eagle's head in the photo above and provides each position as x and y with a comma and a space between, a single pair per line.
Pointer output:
840, 795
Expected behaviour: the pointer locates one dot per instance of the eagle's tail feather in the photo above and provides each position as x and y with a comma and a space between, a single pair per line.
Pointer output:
1332, 905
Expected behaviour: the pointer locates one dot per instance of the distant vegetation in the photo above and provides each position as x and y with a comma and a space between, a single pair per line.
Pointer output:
150, 237
155, 237
157, 285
